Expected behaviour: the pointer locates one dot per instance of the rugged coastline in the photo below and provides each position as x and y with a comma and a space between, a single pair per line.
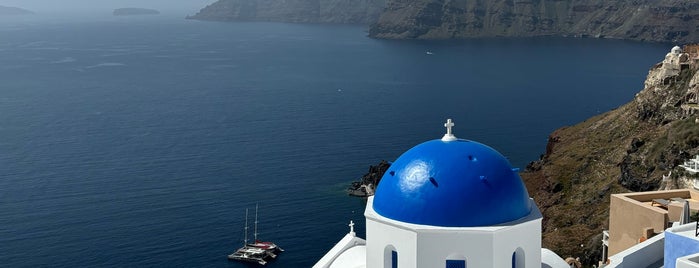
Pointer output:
643, 20
631, 148
296, 11
366, 185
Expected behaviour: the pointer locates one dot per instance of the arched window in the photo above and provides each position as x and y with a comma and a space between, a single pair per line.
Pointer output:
518, 258
455, 261
456, 264
390, 257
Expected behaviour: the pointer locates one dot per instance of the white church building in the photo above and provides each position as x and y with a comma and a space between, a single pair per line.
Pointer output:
450, 203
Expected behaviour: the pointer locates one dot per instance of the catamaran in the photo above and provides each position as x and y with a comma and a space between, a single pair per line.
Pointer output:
259, 251
269, 246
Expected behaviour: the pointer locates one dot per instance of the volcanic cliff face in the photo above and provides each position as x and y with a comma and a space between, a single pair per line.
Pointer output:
313, 11
652, 20
626, 149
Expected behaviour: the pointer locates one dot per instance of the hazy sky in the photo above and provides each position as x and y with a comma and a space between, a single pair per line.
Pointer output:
70, 6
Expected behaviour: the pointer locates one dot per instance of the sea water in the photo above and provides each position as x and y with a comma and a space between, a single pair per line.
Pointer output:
141, 141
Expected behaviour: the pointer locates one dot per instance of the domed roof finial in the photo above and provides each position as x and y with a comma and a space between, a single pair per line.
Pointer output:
351, 225
449, 136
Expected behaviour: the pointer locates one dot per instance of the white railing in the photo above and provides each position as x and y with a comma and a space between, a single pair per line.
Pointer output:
689, 261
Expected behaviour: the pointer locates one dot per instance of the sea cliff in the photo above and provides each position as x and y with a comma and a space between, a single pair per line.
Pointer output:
648, 20
627, 149
645, 20
303, 11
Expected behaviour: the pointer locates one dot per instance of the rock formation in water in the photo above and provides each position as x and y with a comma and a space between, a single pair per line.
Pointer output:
4, 10
367, 184
305, 11
130, 11
651, 20
627, 149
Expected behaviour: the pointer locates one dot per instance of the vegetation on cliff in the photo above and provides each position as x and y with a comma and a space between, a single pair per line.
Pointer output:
626, 149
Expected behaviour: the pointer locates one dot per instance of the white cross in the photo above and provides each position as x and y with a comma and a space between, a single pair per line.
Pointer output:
351, 225
449, 136
449, 124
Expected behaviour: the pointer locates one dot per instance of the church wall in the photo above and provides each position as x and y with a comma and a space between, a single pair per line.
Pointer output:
435, 246
379, 235
525, 235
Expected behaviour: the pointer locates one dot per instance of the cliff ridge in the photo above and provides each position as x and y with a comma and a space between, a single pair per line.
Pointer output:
627, 149
299, 11
648, 20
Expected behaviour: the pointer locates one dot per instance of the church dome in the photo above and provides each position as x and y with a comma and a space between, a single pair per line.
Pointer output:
452, 183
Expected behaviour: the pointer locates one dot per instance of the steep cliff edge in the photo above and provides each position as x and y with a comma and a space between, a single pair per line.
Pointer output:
312, 11
651, 20
626, 149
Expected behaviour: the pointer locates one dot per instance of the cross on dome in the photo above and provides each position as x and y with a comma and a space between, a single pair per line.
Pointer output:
351, 225
449, 136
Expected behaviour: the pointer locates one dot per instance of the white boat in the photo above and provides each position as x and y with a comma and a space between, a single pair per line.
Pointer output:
251, 254
271, 247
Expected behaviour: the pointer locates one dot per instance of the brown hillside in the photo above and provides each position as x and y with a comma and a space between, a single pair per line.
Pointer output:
626, 149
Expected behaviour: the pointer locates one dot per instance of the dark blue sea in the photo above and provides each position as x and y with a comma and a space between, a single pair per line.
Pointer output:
132, 142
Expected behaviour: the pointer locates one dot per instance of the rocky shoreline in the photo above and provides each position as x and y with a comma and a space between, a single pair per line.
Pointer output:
367, 184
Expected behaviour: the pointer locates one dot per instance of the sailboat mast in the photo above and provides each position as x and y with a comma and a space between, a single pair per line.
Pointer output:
246, 227
256, 223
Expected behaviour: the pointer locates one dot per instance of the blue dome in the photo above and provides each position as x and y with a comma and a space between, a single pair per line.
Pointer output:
457, 183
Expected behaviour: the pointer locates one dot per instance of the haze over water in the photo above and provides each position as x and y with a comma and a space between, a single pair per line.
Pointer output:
140, 141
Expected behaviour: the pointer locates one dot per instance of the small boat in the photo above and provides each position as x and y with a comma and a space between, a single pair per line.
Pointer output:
429, 53
249, 254
259, 251
271, 247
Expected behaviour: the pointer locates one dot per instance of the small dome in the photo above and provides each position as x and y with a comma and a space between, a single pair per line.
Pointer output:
458, 183
676, 50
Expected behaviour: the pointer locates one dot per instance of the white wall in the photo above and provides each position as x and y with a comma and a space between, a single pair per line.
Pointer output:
431, 246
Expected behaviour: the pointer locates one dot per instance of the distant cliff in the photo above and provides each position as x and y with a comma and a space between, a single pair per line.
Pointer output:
129, 11
13, 11
650, 20
311, 11
627, 149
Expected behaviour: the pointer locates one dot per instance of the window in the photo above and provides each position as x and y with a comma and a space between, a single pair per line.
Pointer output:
390, 257
518, 258
456, 264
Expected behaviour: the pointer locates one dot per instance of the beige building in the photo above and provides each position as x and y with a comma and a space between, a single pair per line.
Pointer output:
635, 217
